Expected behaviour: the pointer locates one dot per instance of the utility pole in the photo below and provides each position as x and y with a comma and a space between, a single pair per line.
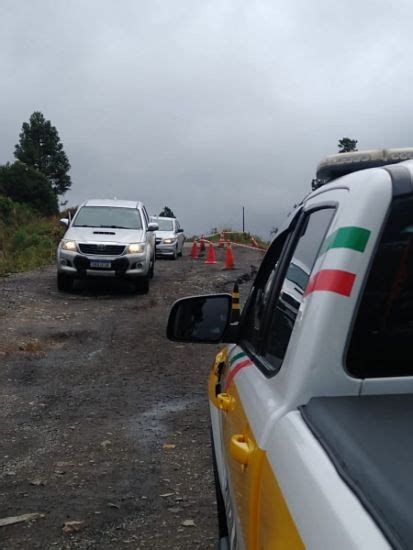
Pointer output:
243, 219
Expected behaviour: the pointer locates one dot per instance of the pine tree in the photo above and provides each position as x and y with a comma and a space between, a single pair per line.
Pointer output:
347, 145
167, 213
40, 147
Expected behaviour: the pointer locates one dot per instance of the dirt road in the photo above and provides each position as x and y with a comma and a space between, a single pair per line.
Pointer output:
102, 420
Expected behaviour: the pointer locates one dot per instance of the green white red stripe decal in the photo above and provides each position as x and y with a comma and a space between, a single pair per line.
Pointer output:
336, 280
331, 280
355, 238
237, 362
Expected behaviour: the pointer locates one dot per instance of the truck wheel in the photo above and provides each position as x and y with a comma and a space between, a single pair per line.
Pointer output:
221, 513
142, 284
64, 282
152, 268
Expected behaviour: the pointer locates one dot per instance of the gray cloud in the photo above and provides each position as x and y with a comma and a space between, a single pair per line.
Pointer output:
206, 106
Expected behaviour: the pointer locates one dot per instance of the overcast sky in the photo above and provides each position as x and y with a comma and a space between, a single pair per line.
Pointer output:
206, 106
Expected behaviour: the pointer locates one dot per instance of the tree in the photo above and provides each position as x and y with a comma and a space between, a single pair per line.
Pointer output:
40, 147
29, 186
167, 213
347, 145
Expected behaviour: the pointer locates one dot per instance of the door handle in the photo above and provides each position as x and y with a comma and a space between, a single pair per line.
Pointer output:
225, 402
241, 448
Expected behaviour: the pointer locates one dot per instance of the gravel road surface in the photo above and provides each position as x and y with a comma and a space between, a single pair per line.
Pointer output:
103, 421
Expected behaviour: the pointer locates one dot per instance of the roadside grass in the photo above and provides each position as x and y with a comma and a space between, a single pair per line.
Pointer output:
27, 241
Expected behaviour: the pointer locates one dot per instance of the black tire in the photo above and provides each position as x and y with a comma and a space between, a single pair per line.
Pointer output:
221, 512
142, 284
175, 254
152, 268
64, 282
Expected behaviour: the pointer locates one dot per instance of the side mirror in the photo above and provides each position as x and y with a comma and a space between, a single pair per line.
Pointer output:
200, 318
180, 230
64, 222
153, 226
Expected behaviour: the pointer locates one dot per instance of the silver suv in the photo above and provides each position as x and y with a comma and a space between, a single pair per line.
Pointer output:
107, 238
170, 237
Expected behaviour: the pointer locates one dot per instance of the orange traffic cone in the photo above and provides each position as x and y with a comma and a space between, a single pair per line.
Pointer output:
202, 243
229, 258
194, 251
210, 259
221, 241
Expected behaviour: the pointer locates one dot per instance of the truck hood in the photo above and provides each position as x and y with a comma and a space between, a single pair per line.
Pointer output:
165, 235
104, 234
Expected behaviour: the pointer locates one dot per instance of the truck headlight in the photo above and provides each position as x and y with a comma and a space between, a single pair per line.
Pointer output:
169, 241
136, 248
69, 245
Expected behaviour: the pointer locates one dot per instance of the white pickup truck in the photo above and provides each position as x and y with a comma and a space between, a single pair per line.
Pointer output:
312, 397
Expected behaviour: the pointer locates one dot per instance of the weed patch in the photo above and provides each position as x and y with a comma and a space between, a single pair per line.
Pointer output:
27, 241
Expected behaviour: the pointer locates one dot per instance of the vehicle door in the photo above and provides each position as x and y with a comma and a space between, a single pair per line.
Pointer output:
249, 383
231, 428
179, 235
150, 235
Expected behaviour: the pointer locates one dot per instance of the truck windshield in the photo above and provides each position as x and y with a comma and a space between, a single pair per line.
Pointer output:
108, 216
381, 343
164, 225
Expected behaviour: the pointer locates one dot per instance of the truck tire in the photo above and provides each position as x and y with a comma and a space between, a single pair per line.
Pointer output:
64, 282
142, 284
221, 513
152, 268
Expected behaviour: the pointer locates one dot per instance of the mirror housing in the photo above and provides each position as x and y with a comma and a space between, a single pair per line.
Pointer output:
153, 226
180, 230
64, 221
200, 318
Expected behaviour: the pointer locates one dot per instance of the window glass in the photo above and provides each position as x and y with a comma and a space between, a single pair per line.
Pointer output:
165, 224
108, 216
260, 296
292, 291
381, 343
145, 215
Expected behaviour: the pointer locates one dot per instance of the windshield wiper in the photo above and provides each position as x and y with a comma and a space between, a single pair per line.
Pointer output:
115, 226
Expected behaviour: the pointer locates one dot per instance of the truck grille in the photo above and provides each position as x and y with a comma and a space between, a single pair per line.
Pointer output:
102, 249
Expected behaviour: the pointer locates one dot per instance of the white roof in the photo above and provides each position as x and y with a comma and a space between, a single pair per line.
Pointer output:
112, 202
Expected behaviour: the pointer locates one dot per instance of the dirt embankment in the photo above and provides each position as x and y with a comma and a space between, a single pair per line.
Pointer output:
103, 421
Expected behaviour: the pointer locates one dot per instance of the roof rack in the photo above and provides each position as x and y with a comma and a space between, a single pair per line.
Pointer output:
341, 164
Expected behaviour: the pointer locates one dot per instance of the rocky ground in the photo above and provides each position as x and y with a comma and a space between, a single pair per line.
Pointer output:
104, 427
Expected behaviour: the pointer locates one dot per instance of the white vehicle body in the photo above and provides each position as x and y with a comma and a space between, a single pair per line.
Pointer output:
170, 237
93, 246
280, 478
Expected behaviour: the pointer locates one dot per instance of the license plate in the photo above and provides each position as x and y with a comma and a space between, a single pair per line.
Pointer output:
102, 264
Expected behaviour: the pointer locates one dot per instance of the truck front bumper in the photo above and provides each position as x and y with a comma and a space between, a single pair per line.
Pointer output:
80, 265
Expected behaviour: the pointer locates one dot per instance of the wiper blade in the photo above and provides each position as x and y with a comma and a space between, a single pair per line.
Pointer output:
114, 226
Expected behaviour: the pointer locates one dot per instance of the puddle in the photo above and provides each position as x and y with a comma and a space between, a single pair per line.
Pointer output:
148, 426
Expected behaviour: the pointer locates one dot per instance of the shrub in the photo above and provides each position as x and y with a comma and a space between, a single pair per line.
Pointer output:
25, 185
27, 240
